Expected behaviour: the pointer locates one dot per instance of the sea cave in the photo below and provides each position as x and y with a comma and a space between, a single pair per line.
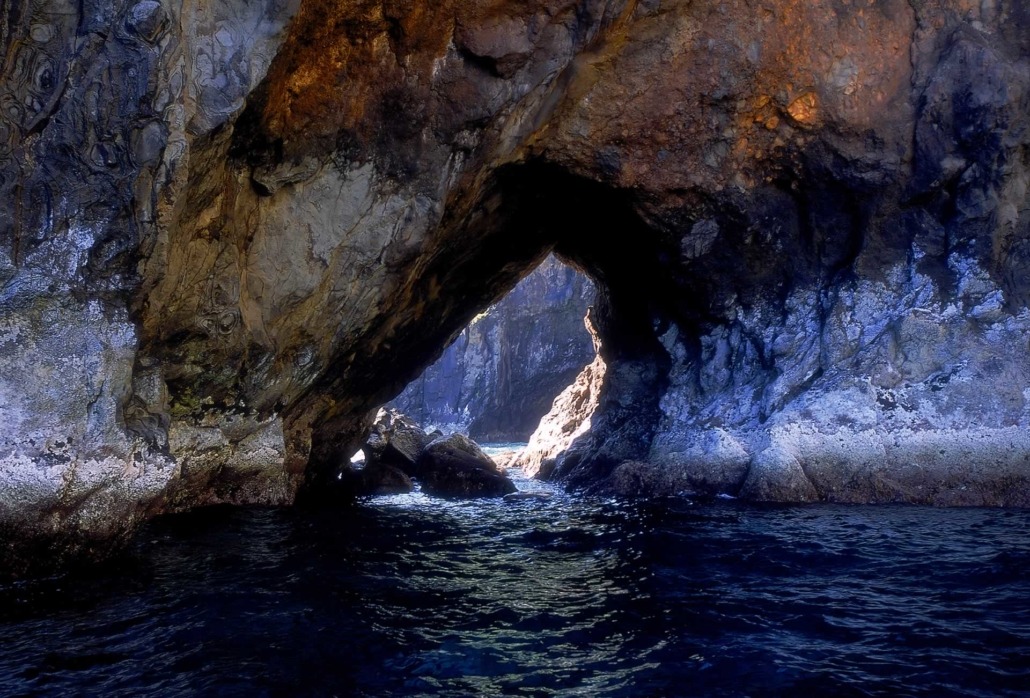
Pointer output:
794, 249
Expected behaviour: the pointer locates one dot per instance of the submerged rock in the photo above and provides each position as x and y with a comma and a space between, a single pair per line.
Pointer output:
373, 479
385, 479
527, 496
454, 466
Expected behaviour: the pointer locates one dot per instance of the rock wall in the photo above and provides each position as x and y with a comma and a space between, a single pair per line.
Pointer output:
502, 373
838, 309
232, 230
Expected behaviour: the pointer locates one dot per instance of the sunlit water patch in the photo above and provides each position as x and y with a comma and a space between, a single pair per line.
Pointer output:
410, 595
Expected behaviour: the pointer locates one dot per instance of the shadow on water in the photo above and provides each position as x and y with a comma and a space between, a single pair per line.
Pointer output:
409, 595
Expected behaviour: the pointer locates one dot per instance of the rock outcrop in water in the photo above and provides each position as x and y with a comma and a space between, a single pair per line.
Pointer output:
231, 231
502, 373
397, 449
455, 466
371, 480
395, 440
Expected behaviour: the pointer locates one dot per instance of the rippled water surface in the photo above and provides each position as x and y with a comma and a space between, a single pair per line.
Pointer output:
415, 596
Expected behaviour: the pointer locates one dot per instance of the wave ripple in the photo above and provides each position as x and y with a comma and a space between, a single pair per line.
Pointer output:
409, 595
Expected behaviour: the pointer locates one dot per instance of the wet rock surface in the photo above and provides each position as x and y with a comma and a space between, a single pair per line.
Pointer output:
454, 466
231, 232
368, 481
396, 441
528, 496
397, 450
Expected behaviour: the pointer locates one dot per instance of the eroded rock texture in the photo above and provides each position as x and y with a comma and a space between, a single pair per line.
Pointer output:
502, 373
232, 230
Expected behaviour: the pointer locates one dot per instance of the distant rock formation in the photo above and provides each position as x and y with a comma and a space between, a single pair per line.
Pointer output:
504, 370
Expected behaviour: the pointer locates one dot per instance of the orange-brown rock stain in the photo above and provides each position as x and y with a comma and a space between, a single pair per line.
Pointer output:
315, 86
707, 95
364, 65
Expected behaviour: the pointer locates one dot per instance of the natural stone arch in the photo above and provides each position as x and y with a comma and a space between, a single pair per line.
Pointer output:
749, 228
824, 210
535, 208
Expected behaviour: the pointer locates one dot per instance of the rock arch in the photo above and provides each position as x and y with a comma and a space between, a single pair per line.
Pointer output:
236, 228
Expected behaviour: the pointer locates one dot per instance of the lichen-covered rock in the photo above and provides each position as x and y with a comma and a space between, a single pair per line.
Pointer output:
776, 475
454, 466
712, 463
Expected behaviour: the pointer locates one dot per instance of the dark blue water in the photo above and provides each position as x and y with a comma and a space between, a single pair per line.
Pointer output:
570, 597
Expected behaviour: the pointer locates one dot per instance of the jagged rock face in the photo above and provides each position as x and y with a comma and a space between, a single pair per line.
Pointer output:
234, 230
841, 249
504, 370
569, 419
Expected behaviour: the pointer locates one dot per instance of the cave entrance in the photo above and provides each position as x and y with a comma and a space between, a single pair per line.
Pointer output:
490, 239
501, 374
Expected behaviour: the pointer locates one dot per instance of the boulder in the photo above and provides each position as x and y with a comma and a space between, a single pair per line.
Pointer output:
776, 475
380, 478
528, 496
395, 441
454, 466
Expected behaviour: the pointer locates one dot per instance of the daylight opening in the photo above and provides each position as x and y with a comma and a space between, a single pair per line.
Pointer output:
458, 429
501, 375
